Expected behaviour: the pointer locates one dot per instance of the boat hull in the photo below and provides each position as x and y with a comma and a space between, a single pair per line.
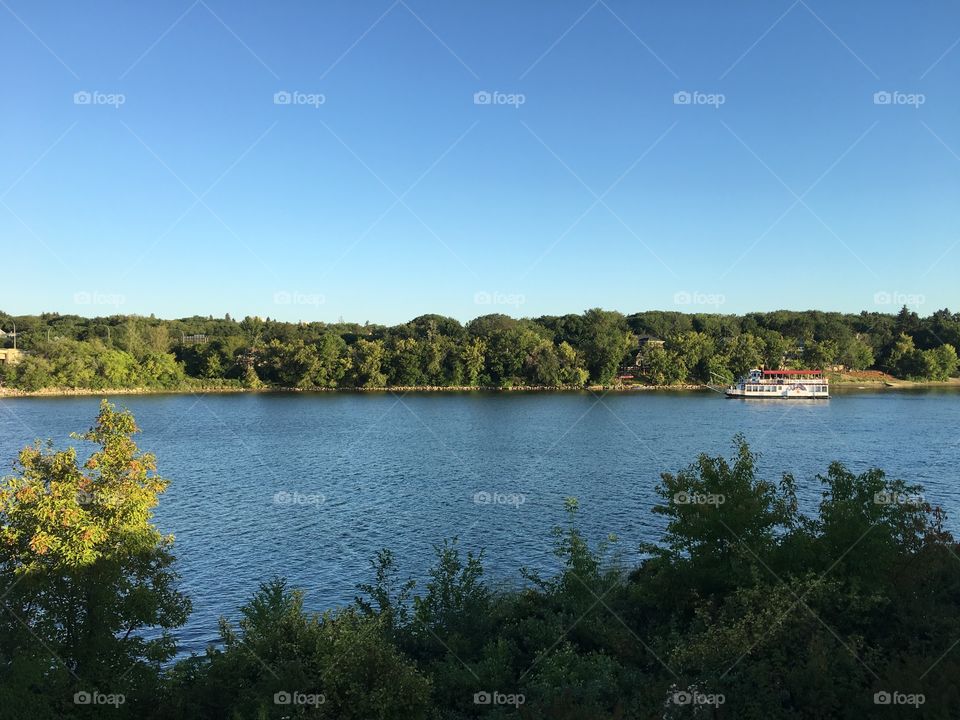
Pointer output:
777, 394
758, 396
780, 385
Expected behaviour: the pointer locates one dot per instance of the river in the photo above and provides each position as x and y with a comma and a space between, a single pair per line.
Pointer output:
309, 486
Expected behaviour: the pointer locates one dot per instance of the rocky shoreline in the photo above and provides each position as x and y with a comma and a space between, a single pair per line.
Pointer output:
842, 385
68, 392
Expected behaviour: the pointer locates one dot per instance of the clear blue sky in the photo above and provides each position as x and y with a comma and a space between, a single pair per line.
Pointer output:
398, 195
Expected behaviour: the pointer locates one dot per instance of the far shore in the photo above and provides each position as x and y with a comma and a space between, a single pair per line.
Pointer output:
839, 384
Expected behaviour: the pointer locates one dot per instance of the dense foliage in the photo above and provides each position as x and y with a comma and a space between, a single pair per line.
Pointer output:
745, 608
489, 351
82, 573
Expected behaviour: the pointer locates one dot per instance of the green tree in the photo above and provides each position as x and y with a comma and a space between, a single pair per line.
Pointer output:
118, 369
130, 338
719, 369
508, 353
253, 328
212, 366
694, 350
341, 664
745, 353
433, 351
367, 358
543, 365
278, 364
157, 339
455, 597
664, 367
775, 348
942, 362
333, 361
162, 370
857, 355
83, 567
33, 372
720, 520
74, 363
605, 340
473, 355
572, 372
403, 363
251, 379
901, 356
819, 354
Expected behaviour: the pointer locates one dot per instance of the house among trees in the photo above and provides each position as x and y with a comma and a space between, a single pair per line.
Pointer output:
645, 343
9, 356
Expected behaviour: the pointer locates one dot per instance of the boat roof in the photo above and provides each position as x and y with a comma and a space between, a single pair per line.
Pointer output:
792, 372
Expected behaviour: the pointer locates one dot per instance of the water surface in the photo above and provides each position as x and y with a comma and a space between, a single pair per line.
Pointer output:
309, 486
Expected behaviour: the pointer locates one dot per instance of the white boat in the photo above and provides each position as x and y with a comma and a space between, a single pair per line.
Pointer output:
778, 384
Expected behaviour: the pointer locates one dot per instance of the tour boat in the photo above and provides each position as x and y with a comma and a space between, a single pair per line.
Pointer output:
809, 384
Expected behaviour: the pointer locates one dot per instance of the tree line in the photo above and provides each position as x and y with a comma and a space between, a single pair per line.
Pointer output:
745, 607
597, 347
